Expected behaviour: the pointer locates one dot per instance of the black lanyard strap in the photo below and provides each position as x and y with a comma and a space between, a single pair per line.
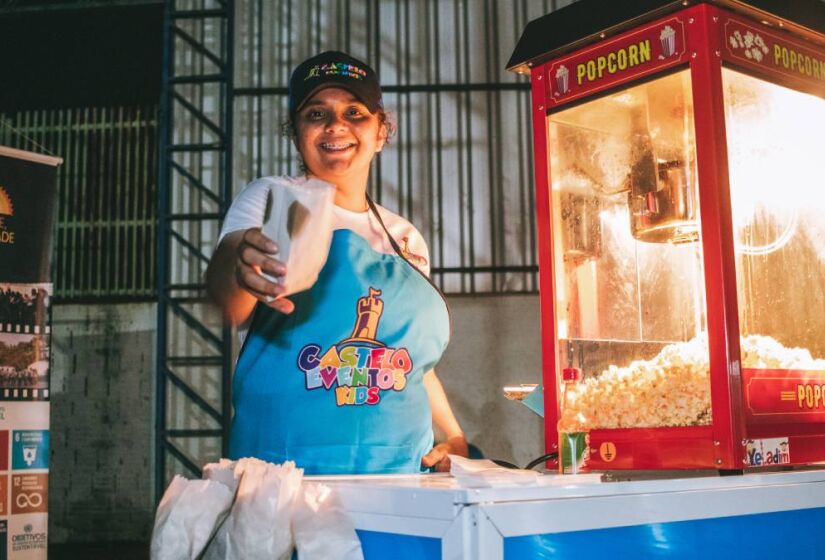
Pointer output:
401, 254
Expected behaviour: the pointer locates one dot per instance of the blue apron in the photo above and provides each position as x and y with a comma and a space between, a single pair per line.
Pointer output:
337, 385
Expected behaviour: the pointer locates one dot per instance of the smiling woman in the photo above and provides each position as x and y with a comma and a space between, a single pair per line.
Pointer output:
356, 112
339, 377
337, 137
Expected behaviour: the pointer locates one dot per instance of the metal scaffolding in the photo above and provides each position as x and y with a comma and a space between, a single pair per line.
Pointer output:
193, 346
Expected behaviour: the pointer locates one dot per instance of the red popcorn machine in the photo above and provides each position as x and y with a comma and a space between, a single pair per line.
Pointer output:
680, 193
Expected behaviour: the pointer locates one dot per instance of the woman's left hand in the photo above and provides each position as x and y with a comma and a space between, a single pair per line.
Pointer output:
438, 458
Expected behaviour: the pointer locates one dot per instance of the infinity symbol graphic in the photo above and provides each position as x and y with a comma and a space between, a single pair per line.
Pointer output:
33, 499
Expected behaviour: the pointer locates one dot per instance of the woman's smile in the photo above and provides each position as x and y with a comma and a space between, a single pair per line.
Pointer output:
336, 147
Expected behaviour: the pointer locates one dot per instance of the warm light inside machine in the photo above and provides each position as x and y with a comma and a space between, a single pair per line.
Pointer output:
631, 313
775, 151
629, 280
625, 215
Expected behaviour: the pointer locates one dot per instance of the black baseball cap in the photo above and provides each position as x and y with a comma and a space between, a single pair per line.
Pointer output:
334, 69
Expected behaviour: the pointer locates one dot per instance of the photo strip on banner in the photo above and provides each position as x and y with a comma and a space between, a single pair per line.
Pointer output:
24, 341
24, 308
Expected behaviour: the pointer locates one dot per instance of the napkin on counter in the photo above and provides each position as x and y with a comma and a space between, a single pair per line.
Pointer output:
483, 473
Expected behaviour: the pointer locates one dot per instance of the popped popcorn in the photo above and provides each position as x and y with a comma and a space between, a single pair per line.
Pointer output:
670, 389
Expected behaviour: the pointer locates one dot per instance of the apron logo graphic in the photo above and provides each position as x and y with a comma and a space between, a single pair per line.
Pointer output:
369, 312
361, 366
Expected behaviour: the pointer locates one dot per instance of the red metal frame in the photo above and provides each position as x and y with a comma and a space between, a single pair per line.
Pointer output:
722, 445
549, 347
717, 240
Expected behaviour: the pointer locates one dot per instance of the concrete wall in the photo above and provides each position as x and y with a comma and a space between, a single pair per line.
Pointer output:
102, 394
102, 405
495, 342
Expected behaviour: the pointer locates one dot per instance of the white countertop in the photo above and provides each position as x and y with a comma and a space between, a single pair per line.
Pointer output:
441, 496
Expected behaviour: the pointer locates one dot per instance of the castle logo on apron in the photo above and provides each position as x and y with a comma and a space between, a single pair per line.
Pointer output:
361, 367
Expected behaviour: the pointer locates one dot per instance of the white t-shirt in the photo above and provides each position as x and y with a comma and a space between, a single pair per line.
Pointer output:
247, 211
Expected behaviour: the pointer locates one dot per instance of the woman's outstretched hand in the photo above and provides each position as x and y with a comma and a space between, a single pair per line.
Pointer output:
256, 254
438, 456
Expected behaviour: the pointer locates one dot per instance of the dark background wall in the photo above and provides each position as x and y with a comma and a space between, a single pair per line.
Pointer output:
63, 56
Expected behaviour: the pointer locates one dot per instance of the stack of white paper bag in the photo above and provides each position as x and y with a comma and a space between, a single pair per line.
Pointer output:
250, 509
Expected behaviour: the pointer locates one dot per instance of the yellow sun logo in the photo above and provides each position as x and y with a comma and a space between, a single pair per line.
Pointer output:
6, 207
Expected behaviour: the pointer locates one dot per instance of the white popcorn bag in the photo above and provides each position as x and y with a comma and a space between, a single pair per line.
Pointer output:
186, 518
322, 529
224, 472
258, 527
298, 217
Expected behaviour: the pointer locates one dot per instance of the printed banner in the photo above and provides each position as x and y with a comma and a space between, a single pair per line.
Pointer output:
784, 395
757, 47
28, 196
609, 63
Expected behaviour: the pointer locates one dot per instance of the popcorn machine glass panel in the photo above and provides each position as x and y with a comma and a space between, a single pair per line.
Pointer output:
630, 303
775, 155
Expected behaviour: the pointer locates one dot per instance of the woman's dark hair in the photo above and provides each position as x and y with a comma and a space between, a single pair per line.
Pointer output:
289, 129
